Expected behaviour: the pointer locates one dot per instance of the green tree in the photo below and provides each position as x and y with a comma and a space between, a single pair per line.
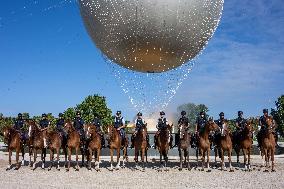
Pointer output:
91, 104
278, 114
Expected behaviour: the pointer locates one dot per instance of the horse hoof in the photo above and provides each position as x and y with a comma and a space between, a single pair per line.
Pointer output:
58, 169
89, 169
208, 171
48, 169
180, 169
231, 170
273, 170
202, 169
266, 171
111, 170
67, 170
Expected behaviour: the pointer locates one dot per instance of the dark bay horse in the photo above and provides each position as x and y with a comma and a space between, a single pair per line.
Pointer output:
184, 144
115, 143
13, 139
268, 144
163, 140
73, 142
140, 145
224, 143
245, 144
36, 140
55, 143
94, 145
204, 142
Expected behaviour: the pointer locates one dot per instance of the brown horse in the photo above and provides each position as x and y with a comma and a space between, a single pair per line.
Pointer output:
73, 142
140, 145
94, 145
163, 140
268, 144
245, 144
224, 143
13, 139
115, 143
36, 137
204, 142
183, 147
55, 143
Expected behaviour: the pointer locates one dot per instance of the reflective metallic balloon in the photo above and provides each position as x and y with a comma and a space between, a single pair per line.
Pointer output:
151, 35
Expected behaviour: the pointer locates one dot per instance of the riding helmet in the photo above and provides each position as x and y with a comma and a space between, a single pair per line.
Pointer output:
162, 113
60, 115
240, 112
183, 113
43, 115
139, 114
265, 110
118, 113
20, 115
78, 113
202, 113
221, 114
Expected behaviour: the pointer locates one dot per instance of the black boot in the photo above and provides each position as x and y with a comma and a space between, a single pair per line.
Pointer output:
132, 142
148, 143
103, 141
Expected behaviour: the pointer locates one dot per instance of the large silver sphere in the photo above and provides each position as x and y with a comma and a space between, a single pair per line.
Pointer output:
151, 35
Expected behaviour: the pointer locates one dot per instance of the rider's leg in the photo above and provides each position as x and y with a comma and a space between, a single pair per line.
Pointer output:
132, 141
177, 137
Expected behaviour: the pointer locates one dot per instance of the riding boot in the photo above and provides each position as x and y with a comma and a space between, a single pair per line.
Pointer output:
171, 142
103, 141
258, 140
155, 142
132, 142
148, 141
177, 138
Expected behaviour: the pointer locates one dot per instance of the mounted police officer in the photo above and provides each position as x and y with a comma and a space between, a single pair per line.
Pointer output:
263, 126
19, 126
60, 127
79, 124
44, 123
139, 124
240, 123
182, 121
97, 122
119, 124
162, 124
199, 127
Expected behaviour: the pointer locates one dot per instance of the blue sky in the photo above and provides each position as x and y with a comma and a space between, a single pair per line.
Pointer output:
48, 62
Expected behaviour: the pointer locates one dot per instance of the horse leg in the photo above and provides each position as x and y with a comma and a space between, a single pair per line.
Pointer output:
51, 159
58, 160
222, 159
266, 160
23, 155
35, 156
111, 159
230, 160
89, 159
180, 159
118, 159
166, 160
142, 158
136, 158
161, 163
98, 159
238, 156
124, 156
245, 159
272, 160
43, 155
30, 154
69, 158
196, 153
208, 166
216, 153
202, 159
248, 154
10, 161
77, 158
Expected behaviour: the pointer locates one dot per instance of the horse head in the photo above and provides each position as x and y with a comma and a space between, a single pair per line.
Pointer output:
32, 127
182, 130
68, 126
90, 130
6, 133
212, 126
224, 129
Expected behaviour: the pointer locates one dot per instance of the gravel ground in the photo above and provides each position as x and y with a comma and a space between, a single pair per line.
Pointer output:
151, 178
